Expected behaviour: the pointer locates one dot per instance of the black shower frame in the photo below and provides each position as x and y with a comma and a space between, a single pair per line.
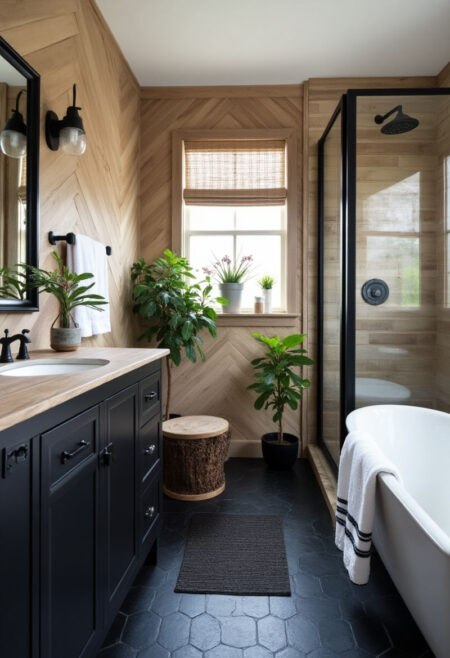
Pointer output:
346, 110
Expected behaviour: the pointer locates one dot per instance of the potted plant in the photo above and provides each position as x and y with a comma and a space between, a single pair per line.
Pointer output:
266, 283
231, 278
178, 309
279, 385
69, 290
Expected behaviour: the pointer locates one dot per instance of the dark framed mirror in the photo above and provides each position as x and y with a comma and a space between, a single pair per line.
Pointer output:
19, 174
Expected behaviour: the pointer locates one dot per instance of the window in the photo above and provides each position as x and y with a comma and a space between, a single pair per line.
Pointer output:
234, 200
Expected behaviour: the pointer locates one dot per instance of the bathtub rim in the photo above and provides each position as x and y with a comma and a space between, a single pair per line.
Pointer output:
435, 533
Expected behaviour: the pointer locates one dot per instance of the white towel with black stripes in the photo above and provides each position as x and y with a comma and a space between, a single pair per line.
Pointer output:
361, 461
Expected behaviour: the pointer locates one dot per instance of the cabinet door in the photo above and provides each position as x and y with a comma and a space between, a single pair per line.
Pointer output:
120, 490
70, 615
18, 546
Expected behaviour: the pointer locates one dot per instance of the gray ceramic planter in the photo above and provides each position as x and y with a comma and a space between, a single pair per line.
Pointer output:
232, 292
65, 340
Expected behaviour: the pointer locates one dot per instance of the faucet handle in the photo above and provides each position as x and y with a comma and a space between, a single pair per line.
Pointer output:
25, 338
22, 354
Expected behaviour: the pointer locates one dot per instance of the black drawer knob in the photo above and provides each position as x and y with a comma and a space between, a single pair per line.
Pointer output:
82, 445
150, 512
150, 450
150, 396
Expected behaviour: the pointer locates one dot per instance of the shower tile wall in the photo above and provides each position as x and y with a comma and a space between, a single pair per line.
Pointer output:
396, 242
442, 387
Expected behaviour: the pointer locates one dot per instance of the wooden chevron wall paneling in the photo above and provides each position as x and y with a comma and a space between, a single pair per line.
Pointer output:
66, 41
219, 385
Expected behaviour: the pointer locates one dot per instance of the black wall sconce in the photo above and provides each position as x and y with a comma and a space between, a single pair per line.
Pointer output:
13, 138
67, 132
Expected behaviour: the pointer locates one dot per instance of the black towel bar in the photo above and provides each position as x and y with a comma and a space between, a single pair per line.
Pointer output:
70, 238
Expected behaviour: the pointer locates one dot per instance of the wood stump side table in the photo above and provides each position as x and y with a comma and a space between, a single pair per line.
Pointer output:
195, 450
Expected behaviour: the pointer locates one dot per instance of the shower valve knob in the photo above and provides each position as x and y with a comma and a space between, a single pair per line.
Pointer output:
375, 291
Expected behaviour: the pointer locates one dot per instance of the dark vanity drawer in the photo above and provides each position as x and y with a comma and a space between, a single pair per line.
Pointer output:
149, 397
148, 451
149, 509
69, 444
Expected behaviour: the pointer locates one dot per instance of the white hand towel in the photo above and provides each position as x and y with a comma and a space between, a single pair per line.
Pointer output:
361, 461
88, 255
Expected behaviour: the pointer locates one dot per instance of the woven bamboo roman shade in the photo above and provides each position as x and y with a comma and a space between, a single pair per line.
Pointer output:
240, 172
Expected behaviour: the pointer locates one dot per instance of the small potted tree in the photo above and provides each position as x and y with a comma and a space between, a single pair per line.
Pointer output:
279, 385
177, 309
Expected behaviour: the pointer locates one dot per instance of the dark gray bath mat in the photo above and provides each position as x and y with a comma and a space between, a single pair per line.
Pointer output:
234, 554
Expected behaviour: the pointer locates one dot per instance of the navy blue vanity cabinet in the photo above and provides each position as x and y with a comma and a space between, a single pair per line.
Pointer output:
119, 475
70, 566
18, 546
80, 507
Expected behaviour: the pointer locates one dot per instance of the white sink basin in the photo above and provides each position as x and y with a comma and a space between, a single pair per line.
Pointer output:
40, 367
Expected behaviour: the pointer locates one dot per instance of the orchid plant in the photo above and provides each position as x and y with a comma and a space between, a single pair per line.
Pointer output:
227, 271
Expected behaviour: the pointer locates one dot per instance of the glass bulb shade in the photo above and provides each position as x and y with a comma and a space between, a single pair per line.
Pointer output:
72, 141
13, 143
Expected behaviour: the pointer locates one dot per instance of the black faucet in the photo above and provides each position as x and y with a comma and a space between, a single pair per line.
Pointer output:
5, 342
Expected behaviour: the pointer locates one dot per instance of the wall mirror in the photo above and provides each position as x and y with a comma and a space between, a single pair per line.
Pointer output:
19, 175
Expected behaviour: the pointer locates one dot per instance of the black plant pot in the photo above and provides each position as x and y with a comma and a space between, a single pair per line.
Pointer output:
279, 456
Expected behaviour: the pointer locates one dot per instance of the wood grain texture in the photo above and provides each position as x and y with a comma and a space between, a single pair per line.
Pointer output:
25, 397
66, 41
217, 387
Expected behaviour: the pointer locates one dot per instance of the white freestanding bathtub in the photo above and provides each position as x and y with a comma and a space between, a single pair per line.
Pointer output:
412, 518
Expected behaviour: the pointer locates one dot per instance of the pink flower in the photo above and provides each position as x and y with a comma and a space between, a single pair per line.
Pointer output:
226, 260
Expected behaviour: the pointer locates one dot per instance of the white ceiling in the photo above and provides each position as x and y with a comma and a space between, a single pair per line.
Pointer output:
220, 42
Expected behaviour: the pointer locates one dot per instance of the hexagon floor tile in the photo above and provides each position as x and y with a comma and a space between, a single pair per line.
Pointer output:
325, 616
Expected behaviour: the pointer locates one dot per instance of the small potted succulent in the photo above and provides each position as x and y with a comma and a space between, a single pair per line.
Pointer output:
70, 291
266, 284
231, 278
279, 385
177, 309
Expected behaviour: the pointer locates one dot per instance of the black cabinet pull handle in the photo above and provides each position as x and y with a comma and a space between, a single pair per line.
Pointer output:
150, 512
82, 445
150, 396
108, 454
150, 449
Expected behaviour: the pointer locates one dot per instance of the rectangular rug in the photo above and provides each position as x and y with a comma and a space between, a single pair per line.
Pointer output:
234, 554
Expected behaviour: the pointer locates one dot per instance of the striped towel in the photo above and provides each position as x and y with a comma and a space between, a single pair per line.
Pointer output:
361, 461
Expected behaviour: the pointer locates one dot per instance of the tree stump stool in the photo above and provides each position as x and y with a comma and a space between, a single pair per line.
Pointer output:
195, 450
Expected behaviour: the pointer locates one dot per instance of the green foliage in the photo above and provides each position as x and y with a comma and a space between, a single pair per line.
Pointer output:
178, 309
67, 287
13, 283
277, 382
266, 282
226, 271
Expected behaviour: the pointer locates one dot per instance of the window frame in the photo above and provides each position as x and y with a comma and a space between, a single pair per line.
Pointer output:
291, 247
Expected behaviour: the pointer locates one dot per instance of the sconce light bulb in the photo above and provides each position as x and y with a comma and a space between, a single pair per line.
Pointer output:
72, 140
13, 143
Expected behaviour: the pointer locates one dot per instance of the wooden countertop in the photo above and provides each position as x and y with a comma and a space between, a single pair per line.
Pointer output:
24, 397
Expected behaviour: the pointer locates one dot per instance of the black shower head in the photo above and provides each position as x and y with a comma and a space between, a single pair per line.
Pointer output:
402, 123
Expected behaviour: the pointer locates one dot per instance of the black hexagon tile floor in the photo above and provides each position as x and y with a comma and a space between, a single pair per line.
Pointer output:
325, 616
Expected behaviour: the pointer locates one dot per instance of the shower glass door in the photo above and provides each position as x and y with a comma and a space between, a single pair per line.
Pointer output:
330, 285
402, 152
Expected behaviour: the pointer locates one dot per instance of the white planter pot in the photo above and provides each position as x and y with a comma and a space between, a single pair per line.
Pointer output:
267, 294
232, 292
65, 340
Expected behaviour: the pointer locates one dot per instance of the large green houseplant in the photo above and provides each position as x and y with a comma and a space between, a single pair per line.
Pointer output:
177, 307
279, 384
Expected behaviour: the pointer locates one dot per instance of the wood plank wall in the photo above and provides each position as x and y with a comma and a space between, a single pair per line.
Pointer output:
219, 385
66, 41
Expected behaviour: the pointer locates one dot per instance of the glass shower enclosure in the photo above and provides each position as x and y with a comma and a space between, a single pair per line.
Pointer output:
384, 260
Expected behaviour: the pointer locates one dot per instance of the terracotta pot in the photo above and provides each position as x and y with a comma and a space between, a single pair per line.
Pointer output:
65, 339
279, 456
